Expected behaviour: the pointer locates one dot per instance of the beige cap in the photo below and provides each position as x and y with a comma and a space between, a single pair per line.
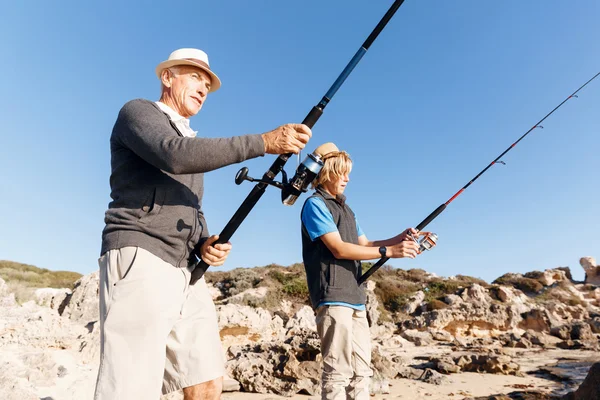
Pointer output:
325, 148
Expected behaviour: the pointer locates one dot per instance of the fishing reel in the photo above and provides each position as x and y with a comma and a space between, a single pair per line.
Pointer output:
306, 172
427, 242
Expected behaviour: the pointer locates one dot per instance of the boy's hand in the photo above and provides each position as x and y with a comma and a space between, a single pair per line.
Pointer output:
404, 235
405, 249
415, 234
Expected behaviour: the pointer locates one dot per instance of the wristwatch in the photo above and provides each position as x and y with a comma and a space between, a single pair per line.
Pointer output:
383, 251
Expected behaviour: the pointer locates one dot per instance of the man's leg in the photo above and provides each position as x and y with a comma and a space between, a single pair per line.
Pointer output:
361, 357
210, 390
138, 306
195, 357
334, 324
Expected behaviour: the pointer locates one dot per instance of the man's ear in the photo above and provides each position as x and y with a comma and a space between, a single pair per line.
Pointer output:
166, 77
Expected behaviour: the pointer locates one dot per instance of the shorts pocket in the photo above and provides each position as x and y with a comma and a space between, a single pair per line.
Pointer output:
121, 271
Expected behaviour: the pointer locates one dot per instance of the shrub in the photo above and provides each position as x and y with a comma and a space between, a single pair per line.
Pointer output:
526, 285
296, 287
436, 305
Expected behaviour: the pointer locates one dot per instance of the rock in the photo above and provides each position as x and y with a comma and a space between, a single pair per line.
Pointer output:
270, 367
445, 365
537, 320
576, 331
441, 335
452, 299
214, 291
417, 337
230, 385
476, 294
491, 364
541, 339
592, 270
413, 303
379, 386
8, 301
383, 330
550, 276
50, 297
372, 305
83, 304
384, 367
3, 288
251, 294
433, 377
304, 318
595, 325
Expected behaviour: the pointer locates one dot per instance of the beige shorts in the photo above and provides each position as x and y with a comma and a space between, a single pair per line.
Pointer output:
156, 330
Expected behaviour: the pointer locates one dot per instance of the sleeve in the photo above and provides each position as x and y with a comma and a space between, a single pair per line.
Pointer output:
317, 219
358, 229
142, 128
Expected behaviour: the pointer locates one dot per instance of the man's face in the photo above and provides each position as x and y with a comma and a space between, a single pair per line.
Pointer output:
189, 87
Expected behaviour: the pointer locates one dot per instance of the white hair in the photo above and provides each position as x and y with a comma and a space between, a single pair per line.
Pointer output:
175, 69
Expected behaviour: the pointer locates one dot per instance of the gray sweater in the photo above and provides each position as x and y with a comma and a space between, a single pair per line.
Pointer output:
157, 180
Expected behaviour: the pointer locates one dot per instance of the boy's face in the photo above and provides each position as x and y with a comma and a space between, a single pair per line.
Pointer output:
337, 186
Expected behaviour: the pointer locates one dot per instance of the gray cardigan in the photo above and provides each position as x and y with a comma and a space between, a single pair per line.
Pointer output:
157, 180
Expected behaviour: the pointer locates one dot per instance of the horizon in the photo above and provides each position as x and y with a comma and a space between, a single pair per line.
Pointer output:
440, 93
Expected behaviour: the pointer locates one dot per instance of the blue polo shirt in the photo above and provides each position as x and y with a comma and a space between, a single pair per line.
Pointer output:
318, 221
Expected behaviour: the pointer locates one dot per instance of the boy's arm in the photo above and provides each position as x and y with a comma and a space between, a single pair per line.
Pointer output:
363, 241
349, 251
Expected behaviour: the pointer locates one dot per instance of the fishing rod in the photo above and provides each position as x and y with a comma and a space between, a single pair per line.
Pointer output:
430, 239
307, 170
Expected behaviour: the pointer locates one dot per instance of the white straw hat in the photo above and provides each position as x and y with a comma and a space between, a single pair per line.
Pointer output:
193, 57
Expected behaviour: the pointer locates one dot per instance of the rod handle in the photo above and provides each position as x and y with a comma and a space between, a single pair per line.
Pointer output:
313, 116
431, 217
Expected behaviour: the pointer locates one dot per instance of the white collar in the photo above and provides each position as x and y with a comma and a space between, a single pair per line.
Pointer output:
181, 122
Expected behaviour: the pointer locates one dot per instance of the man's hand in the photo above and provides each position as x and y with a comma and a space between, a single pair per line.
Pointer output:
289, 138
216, 255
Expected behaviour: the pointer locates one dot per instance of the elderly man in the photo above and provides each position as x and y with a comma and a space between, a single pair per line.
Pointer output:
156, 329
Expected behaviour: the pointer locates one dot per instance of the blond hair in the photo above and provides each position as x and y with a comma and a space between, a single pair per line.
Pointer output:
335, 165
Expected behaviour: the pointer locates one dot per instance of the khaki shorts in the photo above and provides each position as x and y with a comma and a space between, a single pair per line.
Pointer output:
156, 330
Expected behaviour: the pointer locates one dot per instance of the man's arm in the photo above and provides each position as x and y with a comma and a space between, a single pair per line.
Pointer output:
142, 128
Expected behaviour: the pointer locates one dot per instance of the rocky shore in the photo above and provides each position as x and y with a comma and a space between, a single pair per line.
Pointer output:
533, 335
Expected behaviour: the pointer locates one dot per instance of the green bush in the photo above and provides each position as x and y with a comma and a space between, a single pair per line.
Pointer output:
526, 285
296, 287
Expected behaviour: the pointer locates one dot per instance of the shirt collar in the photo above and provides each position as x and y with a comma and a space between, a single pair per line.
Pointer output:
181, 122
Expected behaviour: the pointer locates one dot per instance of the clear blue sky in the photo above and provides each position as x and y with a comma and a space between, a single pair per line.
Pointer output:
445, 89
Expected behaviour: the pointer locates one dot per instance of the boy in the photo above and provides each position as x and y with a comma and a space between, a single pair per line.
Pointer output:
332, 246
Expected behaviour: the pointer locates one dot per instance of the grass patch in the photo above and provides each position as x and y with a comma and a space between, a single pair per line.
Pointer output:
24, 279
34, 277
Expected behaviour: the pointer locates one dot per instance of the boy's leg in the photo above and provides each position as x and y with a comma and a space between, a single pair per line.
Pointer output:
361, 357
140, 298
334, 324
